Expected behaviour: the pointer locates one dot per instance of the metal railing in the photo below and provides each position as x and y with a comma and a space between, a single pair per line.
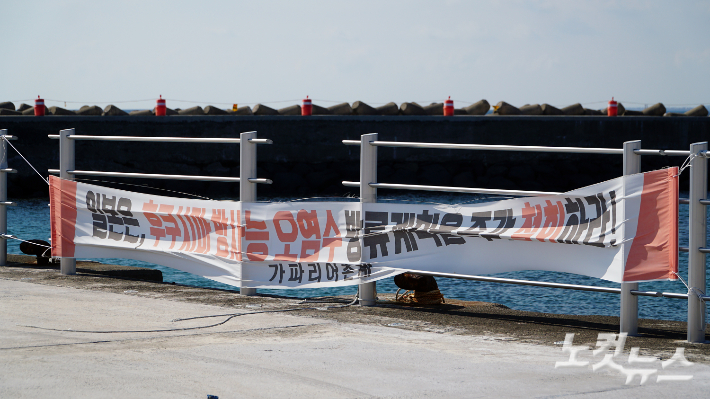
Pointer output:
632, 152
247, 170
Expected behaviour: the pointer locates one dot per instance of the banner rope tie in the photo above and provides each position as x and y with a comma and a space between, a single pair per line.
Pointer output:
686, 164
23, 157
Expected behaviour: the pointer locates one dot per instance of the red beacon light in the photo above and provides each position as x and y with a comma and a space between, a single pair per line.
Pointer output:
449, 107
613, 109
160, 107
307, 107
39, 106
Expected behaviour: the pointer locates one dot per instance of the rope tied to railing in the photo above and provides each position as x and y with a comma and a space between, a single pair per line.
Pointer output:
686, 164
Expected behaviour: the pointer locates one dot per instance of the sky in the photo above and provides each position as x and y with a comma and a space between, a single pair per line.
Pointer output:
219, 53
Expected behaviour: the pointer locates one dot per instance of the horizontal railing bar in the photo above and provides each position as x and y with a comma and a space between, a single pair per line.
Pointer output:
160, 176
259, 180
8, 170
161, 139
576, 150
9, 137
449, 146
670, 153
8, 203
701, 249
452, 189
705, 201
609, 290
659, 294
148, 175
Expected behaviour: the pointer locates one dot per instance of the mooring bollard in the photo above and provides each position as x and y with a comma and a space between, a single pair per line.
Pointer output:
261, 109
212, 110
700, 110
478, 108
112, 110
434, 109
341, 109
318, 110
292, 110
39, 106
574, 109
360, 108
548, 109
160, 106
412, 109
242, 111
306, 108
90, 110
449, 107
196, 110
503, 108
531, 109
61, 111
388, 109
657, 109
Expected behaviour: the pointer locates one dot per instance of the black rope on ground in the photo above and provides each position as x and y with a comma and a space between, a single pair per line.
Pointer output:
230, 317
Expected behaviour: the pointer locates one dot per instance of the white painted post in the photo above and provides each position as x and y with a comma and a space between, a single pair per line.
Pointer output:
247, 189
697, 230
629, 309
66, 163
3, 198
368, 174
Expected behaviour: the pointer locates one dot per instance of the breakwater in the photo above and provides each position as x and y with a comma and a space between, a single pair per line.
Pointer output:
308, 158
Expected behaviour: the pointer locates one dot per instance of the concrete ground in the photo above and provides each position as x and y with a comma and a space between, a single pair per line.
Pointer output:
88, 336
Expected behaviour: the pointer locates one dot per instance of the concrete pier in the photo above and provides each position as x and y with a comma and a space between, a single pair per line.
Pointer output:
93, 336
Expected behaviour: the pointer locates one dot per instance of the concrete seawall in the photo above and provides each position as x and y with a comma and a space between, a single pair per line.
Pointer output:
308, 158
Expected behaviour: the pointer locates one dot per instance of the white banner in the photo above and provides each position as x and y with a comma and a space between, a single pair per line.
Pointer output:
620, 230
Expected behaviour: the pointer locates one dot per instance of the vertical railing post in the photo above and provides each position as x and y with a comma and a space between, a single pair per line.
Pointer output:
629, 308
368, 174
247, 189
3, 197
697, 226
66, 163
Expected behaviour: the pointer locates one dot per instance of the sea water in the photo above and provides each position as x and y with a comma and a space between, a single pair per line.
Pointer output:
30, 220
